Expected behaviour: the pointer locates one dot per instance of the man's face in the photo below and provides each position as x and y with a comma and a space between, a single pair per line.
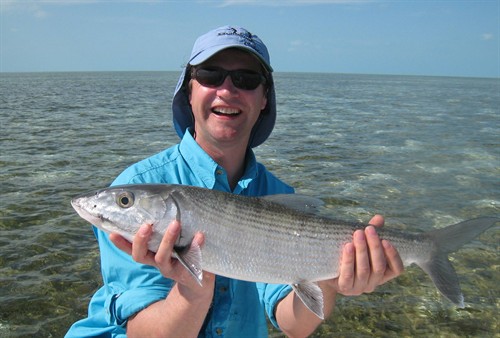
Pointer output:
225, 114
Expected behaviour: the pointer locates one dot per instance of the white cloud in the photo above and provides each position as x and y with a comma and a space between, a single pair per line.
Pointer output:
487, 36
40, 9
295, 45
302, 46
33, 7
276, 3
40, 13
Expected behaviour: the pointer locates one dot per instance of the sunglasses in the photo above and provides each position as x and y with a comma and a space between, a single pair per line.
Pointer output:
215, 76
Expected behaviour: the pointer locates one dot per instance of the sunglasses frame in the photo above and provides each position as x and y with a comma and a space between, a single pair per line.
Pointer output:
235, 75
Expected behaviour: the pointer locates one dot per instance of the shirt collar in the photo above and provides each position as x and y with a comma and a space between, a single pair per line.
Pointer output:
212, 175
251, 171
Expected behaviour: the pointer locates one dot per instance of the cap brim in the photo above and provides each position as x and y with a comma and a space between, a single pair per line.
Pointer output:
209, 52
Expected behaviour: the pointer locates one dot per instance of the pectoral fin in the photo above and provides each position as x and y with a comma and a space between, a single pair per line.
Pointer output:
190, 257
191, 260
311, 295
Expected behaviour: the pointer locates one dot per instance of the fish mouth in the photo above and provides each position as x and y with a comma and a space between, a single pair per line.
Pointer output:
90, 217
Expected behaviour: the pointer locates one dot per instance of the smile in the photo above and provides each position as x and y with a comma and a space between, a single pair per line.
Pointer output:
226, 111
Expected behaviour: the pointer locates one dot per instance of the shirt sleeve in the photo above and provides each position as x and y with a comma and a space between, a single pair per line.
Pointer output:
272, 294
131, 286
128, 288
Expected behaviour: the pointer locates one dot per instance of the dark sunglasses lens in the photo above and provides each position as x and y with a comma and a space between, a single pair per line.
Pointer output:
245, 79
210, 77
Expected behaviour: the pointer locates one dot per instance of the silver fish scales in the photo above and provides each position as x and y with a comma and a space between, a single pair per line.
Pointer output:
271, 239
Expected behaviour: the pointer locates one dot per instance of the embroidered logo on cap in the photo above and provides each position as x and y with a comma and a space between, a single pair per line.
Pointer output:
245, 35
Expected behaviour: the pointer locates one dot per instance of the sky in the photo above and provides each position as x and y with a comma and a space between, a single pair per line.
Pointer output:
401, 37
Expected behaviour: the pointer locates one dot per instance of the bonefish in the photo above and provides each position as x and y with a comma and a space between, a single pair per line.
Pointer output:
271, 239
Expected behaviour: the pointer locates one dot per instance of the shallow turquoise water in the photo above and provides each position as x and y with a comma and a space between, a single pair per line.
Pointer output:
423, 151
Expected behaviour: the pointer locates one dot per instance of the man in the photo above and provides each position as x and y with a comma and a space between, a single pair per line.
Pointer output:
223, 106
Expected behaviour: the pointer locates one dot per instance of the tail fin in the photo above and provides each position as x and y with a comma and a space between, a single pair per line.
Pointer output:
448, 240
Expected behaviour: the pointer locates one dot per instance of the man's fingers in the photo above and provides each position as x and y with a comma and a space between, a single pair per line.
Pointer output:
394, 263
377, 220
377, 258
363, 268
121, 243
345, 281
367, 262
140, 245
163, 256
199, 238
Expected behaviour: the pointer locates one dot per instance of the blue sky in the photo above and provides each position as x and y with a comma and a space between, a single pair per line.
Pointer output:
434, 37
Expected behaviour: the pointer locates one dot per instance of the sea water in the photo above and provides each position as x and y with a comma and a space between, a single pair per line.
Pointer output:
422, 151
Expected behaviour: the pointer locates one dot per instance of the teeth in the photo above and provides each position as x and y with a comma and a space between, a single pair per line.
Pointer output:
226, 111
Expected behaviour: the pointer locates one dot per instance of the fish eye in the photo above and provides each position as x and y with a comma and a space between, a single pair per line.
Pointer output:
125, 199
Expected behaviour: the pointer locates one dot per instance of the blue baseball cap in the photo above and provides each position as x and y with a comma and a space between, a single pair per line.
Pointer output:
204, 48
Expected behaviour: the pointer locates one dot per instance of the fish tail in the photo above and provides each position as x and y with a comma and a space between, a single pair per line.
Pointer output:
447, 240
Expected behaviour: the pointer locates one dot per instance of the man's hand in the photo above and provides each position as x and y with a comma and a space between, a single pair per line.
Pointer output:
169, 267
367, 262
186, 302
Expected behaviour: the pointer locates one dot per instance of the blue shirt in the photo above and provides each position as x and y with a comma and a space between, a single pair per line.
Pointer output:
238, 308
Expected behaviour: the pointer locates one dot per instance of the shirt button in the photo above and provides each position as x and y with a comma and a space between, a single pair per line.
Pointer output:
223, 289
218, 331
219, 172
